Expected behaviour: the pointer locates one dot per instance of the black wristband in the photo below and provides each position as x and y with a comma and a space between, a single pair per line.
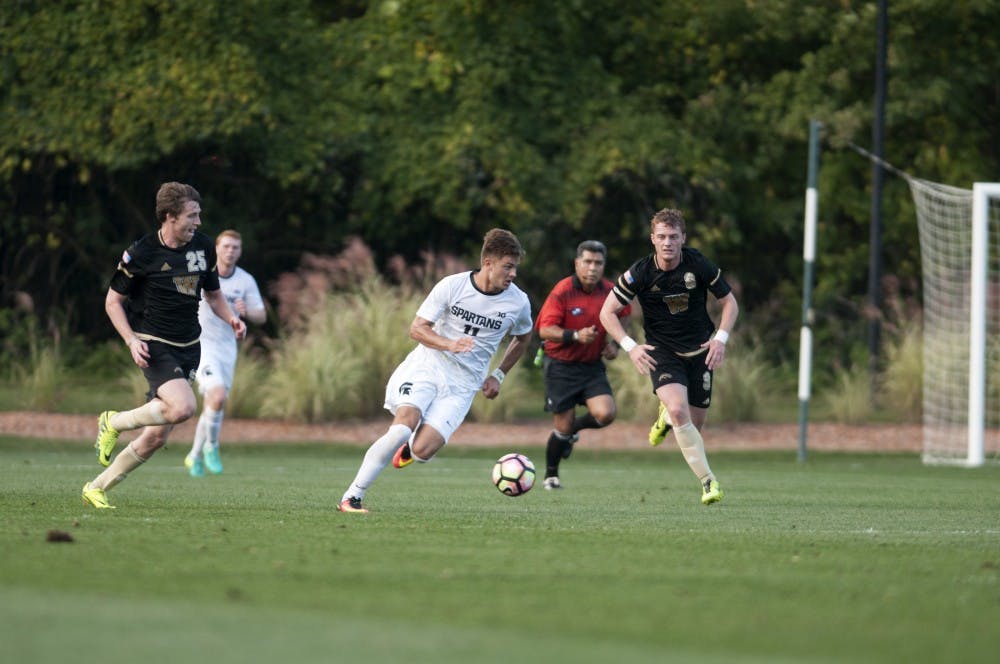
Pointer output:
568, 336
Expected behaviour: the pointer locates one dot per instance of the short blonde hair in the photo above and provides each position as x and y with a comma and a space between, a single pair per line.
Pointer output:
229, 232
670, 217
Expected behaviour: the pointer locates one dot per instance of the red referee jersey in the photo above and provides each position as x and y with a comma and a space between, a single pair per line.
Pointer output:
572, 308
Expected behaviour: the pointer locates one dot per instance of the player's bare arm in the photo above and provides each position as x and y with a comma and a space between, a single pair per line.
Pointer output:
114, 305
422, 331
217, 301
717, 344
256, 315
515, 351
638, 353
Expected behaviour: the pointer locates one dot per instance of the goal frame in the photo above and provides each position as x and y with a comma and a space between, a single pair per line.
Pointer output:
982, 192
975, 457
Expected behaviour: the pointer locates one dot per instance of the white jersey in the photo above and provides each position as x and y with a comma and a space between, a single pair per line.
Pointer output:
217, 332
458, 308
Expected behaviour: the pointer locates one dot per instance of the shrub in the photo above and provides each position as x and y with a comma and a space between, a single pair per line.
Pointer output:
742, 383
903, 377
336, 364
633, 391
849, 399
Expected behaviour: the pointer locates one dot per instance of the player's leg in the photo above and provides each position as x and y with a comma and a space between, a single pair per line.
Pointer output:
378, 455
163, 366
211, 423
675, 398
215, 379
700, 381
559, 440
564, 385
131, 457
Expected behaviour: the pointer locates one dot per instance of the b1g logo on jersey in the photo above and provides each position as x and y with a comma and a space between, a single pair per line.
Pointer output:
689, 281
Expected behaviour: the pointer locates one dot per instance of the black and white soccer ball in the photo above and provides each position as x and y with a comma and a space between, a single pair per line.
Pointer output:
513, 474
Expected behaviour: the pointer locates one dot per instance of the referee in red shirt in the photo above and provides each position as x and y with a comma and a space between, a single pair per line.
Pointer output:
575, 343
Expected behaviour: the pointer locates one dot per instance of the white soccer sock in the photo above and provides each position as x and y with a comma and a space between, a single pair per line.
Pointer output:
693, 446
149, 413
124, 463
206, 434
376, 458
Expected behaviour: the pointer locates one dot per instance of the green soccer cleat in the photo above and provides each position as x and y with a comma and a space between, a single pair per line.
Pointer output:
661, 427
711, 493
194, 465
96, 497
213, 463
107, 438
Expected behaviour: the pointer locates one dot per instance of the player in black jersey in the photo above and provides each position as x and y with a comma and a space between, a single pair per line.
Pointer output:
153, 305
681, 351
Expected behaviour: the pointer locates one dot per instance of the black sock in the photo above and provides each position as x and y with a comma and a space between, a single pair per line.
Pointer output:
586, 422
553, 453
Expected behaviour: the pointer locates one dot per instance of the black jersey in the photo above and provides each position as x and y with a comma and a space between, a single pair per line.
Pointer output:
164, 286
674, 313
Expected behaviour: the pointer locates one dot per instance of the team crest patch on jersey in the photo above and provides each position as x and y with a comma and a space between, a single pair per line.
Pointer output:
689, 280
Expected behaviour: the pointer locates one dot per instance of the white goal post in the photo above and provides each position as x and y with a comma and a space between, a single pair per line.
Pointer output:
960, 265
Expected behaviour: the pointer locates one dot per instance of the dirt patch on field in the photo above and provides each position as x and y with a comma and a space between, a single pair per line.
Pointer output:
620, 435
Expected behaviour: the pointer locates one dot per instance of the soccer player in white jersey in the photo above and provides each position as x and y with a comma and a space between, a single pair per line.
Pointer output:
458, 328
218, 351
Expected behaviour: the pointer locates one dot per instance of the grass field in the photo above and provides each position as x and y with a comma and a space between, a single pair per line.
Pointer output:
842, 559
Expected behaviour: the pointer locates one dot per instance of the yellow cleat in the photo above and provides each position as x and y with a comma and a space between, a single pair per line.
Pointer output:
711, 493
661, 427
96, 497
107, 438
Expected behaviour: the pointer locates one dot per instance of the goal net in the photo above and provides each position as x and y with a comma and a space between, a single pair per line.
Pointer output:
960, 260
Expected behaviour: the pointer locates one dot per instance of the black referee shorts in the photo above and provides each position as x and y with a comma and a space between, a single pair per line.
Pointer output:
569, 384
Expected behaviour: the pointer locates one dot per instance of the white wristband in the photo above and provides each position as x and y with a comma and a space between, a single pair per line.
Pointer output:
721, 335
627, 343
499, 375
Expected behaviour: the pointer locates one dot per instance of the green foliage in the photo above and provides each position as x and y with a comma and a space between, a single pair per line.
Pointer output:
417, 126
256, 564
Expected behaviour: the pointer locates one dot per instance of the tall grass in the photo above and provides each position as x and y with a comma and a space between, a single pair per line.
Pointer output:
902, 380
633, 391
849, 398
335, 365
41, 377
742, 384
245, 397
517, 390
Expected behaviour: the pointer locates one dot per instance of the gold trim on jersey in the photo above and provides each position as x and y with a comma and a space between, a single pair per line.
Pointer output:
693, 353
717, 275
150, 337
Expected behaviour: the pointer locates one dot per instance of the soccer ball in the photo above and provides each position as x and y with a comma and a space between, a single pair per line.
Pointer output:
513, 474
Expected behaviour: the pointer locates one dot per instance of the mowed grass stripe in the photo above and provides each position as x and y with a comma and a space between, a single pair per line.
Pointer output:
844, 558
